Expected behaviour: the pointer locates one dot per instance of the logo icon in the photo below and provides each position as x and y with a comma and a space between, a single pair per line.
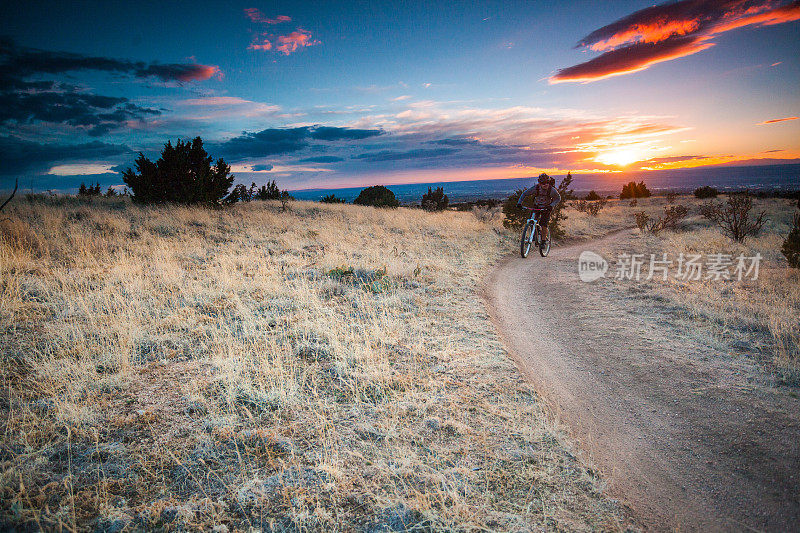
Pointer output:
591, 266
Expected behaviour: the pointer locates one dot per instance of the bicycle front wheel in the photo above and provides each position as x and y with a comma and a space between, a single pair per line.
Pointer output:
544, 247
527, 240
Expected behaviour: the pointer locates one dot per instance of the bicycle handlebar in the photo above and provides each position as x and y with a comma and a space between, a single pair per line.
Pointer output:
533, 208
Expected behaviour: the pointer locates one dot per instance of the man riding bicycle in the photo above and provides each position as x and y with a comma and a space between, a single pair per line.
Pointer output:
545, 196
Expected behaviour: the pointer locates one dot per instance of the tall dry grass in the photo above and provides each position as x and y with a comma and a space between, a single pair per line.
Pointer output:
329, 368
754, 316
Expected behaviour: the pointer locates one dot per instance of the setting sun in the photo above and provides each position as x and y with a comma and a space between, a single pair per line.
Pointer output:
620, 157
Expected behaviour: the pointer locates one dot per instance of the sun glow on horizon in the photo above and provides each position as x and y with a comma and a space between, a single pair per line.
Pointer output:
620, 158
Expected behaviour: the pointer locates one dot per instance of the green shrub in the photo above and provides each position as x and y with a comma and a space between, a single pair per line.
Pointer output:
91, 190
592, 196
332, 199
673, 214
705, 192
238, 194
734, 218
513, 216
435, 200
182, 175
634, 190
556, 231
377, 196
791, 246
270, 191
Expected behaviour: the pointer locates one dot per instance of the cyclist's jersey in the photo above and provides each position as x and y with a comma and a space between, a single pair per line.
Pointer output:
542, 198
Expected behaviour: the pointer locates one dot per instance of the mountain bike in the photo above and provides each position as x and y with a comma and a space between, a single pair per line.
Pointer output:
532, 234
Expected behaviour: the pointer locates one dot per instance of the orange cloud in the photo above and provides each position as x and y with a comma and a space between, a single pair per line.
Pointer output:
260, 42
647, 33
297, 39
286, 44
631, 59
774, 120
669, 31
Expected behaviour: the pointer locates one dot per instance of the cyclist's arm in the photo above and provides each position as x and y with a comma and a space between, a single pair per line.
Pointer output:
556, 197
525, 193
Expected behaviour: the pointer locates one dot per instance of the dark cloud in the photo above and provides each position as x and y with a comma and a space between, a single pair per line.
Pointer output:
24, 101
274, 141
18, 155
392, 155
329, 133
95, 113
669, 31
257, 168
322, 159
20, 62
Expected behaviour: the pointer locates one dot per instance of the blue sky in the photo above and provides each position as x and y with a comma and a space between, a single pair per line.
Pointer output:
415, 91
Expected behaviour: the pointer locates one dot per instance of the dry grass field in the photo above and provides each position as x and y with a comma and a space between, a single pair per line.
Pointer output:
327, 368
758, 318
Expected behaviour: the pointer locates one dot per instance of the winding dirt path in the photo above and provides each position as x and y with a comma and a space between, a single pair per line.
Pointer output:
680, 434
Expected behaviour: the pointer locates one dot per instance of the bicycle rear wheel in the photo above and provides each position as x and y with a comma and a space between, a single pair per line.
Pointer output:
527, 240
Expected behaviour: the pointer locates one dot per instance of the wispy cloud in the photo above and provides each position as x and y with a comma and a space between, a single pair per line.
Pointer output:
80, 169
266, 40
775, 120
257, 16
394, 155
669, 31
219, 107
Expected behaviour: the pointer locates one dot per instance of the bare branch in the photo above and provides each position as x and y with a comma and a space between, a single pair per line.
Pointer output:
16, 184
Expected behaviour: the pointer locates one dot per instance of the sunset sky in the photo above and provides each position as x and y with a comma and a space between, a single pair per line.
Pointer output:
330, 94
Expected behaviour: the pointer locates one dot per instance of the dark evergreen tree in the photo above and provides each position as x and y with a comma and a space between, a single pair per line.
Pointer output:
270, 191
183, 174
634, 190
791, 246
435, 200
377, 196
332, 199
558, 216
706, 192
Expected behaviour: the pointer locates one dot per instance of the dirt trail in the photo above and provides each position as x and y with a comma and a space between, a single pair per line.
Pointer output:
682, 437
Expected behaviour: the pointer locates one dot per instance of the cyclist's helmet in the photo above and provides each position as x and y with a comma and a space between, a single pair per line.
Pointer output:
544, 178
